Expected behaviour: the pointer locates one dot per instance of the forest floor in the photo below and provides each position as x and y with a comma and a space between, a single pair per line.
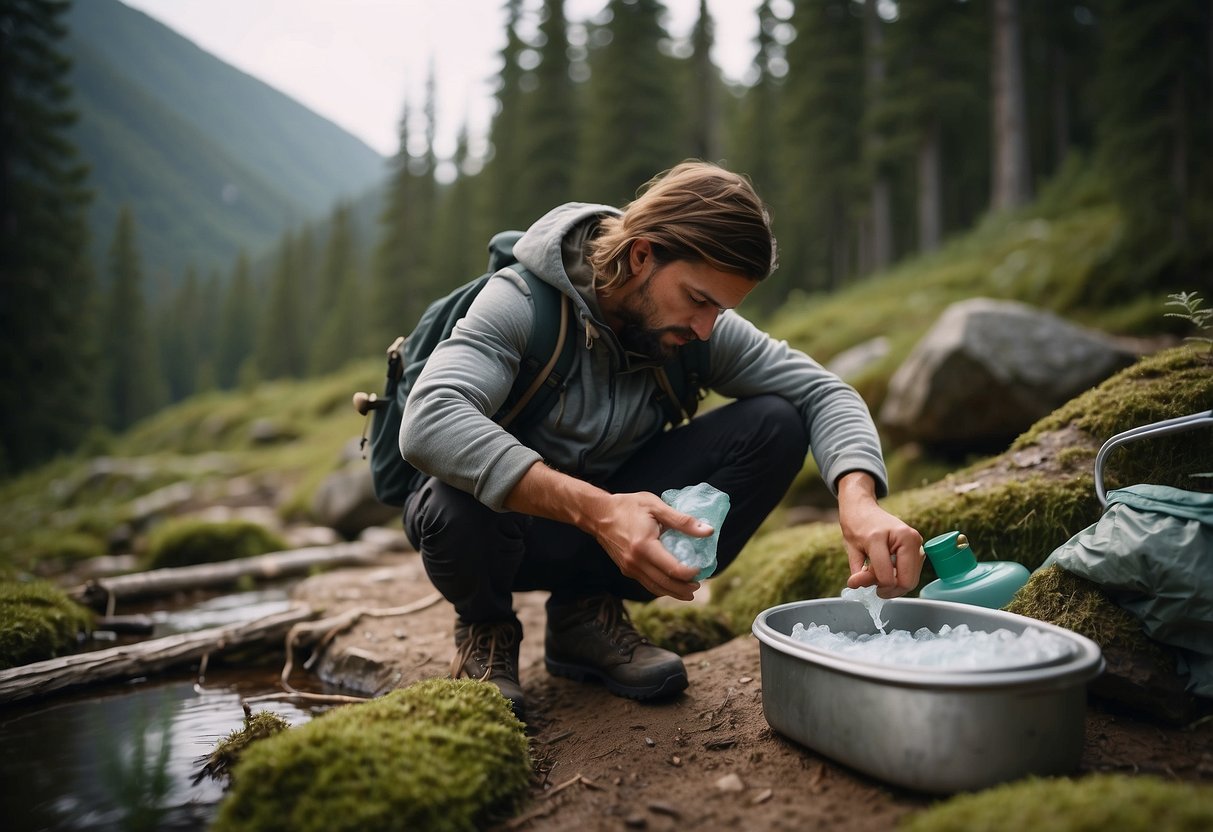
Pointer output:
705, 759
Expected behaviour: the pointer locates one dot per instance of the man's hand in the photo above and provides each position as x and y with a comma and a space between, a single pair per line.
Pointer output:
627, 526
881, 549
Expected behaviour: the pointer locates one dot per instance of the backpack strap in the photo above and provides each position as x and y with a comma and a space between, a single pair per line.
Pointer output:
680, 382
548, 358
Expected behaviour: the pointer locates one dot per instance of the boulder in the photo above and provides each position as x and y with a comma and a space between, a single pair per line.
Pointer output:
849, 363
345, 501
988, 370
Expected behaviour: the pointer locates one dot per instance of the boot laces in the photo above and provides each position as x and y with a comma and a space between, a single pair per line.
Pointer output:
490, 645
614, 620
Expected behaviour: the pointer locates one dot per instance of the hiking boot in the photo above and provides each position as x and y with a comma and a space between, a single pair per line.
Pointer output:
593, 638
488, 651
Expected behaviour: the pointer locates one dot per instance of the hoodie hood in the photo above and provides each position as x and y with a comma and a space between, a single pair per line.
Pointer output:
553, 249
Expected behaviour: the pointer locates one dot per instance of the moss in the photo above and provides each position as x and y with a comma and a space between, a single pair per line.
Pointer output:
37, 621
187, 541
438, 755
683, 629
228, 751
1167, 385
1095, 803
1067, 600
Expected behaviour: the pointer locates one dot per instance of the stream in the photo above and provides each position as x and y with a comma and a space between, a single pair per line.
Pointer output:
124, 756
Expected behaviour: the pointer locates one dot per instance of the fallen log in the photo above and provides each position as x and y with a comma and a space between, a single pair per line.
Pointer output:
102, 593
145, 657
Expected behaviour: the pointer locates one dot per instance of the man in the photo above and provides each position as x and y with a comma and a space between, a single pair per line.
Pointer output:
570, 505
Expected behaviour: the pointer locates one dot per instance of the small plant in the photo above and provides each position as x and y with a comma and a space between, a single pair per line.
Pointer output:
1202, 319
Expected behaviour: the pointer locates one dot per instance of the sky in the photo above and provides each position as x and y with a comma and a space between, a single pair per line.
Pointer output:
357, 62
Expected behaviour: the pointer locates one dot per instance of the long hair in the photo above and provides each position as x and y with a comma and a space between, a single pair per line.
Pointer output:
695, 211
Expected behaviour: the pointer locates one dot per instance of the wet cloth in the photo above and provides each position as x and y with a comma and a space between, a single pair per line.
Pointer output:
1152, 551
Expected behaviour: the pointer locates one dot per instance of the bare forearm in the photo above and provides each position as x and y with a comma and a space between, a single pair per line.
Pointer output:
546, 492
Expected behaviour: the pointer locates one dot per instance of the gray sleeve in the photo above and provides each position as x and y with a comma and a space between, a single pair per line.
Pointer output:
447, 429
745, 361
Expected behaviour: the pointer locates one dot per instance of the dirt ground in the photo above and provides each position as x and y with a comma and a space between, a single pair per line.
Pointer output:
706, 759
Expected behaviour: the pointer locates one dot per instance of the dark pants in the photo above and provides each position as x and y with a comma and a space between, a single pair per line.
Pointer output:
750, 449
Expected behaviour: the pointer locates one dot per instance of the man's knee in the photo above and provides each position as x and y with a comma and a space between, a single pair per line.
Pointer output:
439, 516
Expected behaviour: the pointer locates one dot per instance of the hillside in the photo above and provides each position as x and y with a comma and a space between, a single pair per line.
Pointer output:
210, 159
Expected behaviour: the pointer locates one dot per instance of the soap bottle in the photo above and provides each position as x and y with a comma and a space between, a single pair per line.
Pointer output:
963, 579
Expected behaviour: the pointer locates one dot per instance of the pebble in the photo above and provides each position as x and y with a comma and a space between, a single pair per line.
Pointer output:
731, 782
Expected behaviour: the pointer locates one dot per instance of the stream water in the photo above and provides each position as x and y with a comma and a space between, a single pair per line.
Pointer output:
89, 760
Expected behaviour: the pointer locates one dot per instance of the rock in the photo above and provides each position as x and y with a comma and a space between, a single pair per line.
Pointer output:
345, 501
269, 432
731, 782
709, 505
388, 540
162, 501
850, 363
989, 369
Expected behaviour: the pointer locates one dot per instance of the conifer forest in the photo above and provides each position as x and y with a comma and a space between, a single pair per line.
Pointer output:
874, 129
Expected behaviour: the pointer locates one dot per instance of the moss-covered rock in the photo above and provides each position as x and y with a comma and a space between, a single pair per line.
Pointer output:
188, 541
438, 755
1090, 804
37, 621
687, 628
228, 751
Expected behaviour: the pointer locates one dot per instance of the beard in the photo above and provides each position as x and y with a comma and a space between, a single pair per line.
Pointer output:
638, 333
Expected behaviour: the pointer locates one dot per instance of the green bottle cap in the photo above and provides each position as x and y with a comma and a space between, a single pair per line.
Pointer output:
950, 555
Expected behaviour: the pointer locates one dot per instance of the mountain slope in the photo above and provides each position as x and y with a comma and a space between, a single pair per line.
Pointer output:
210, 159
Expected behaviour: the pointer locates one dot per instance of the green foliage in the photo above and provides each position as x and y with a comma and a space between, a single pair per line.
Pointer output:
37, 621
632, 110
133, 384
1127, 803
228, 751
1202, 319
48, 349
186, 541
438, 755
1058, 597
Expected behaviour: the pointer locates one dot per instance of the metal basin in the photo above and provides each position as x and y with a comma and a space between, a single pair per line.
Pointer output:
928, 729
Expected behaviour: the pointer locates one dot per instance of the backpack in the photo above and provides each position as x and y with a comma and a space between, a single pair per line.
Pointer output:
545, 365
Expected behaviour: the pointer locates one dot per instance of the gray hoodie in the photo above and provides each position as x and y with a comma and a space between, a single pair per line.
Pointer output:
606, 411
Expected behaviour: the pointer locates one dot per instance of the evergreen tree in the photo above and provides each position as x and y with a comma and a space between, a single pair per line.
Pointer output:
395, 303
134, 387
632, 116
180, 327
1155, 137
1011, 177
934, 107
339, 334
459, 245
281, 350
703, 110
48, 358
876, 242
209, 321
751, 149
823, 110
238, 325
549, 141
507, 130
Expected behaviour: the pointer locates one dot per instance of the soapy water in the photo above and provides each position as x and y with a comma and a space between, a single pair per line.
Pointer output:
952, 648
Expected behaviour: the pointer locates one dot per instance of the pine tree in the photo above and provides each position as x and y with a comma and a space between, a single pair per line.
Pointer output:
876, 242
549, 141
339, 334
633, 105
1011, 177
506, 132
823, 103
751, 147
48, 358
180, 329
934, 106
396, 294
459, 248
281, 351
238, 325
703, 110
134, 387
1155, 138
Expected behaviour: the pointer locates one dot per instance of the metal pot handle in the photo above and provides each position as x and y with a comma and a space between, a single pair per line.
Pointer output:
1175, 425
